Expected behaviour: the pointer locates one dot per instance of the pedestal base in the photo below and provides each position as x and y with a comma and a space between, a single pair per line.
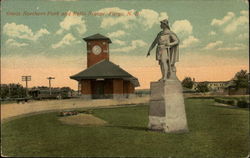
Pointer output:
167, 109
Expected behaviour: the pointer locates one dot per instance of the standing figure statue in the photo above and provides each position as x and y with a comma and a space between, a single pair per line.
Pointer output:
167, 51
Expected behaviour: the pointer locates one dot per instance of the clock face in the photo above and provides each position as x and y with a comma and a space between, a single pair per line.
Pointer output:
96, 49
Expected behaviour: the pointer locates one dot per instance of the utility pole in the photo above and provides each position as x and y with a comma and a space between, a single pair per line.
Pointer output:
50, 78
9, 90
26, 79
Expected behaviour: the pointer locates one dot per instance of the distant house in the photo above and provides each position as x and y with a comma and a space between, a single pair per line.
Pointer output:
214, 86
232, 90
223, 87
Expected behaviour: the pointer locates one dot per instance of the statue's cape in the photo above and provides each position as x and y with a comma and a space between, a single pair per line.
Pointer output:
174, 51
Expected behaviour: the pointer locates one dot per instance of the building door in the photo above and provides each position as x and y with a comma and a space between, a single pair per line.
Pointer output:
98, 90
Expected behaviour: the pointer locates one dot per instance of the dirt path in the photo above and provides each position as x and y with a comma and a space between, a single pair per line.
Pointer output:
82, 119
13, 110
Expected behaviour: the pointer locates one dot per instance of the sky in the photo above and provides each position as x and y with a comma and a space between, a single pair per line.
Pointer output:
43, 38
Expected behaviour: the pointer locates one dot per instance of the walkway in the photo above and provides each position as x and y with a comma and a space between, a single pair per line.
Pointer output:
13, 110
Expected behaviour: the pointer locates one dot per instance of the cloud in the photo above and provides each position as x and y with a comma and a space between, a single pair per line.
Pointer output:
243, 36
246, 2
119, 42
230, 23
189, 41
134, 44
116, 34
113, 20
67, 40
244, 12
65, 0
23, 32
12, 42
240, 21
72, 21
213, 45
212, 33
231, 48
182, 27
146, 17
218, 22
240, 45
162, 16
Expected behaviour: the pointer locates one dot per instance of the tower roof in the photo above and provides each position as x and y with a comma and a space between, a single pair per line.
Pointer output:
105, 69
97, 37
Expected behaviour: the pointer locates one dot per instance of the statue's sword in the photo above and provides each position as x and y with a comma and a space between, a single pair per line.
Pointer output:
170, 56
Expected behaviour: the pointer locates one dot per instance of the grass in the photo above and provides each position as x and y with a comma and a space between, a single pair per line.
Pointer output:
213, 132
7, 102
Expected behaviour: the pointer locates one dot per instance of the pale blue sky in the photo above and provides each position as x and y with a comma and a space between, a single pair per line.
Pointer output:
217, 29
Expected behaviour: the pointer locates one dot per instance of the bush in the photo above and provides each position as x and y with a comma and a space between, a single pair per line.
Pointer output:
218, 100
243, 104
230, 101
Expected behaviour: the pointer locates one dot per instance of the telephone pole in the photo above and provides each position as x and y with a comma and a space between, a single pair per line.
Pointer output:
26, 79
50, 78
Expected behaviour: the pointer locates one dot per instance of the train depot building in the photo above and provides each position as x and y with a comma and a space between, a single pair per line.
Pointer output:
102, 78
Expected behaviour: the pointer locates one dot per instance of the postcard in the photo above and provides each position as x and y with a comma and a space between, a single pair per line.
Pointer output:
113, 78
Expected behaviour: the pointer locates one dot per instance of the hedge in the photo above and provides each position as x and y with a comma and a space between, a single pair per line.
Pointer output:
234, 101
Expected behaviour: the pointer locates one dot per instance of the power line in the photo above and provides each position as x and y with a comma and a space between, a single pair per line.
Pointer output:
50, 78
26, 79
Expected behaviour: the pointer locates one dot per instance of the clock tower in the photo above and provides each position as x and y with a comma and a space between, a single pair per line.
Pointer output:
97, 48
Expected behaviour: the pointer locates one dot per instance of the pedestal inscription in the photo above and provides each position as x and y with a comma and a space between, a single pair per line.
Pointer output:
167, 109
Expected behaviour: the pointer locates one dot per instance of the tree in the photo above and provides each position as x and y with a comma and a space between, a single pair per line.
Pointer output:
187, 82
202, 87
240, 79
4, 91
12, 90
66, 89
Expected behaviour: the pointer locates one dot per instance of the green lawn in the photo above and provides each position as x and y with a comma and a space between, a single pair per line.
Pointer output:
213, 132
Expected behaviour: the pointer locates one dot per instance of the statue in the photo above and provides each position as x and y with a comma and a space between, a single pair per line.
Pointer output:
166, 105
167, 52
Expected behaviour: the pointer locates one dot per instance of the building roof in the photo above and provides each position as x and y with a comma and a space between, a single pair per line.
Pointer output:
213, 82
105, 69
97, 37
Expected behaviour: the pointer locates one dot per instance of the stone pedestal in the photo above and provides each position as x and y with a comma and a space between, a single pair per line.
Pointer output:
167, 109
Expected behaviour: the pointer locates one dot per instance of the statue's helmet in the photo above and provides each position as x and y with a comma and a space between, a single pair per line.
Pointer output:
165, 22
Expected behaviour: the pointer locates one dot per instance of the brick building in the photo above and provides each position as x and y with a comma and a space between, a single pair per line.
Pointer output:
214, 86
102, 78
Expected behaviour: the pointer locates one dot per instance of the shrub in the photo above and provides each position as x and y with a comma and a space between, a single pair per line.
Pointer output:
243, 104
217, 100
229, 101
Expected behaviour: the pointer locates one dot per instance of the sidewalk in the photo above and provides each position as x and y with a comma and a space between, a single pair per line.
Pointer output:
12, 110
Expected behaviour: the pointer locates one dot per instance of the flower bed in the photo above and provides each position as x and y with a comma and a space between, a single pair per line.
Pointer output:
68, 113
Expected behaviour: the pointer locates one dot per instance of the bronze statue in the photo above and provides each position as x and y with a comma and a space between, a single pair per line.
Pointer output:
167, 51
